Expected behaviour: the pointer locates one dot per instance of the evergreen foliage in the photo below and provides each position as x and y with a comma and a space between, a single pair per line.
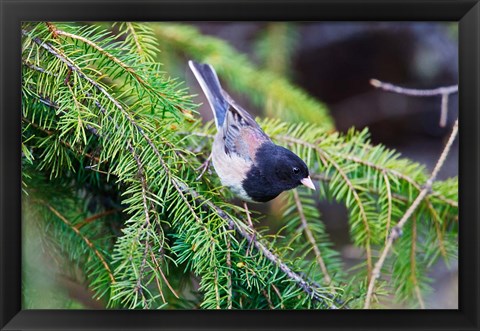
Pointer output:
111, 148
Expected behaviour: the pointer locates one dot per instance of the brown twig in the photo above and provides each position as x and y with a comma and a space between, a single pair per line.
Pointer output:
217, 292
204, 167
96, 217
282, 306
397, 230
269, 301
155, 260
443, 91
437, 222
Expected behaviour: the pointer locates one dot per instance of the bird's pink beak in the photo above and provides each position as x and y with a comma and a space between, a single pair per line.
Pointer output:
308, 183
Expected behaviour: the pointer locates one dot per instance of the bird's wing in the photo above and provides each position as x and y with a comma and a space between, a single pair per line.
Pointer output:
241, 134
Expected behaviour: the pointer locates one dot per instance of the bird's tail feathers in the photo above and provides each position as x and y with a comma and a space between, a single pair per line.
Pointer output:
208, 80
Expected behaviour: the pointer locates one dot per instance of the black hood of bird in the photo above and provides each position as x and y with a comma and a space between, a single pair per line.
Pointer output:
273, 172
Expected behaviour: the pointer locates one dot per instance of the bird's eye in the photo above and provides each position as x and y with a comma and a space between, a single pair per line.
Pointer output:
296, 171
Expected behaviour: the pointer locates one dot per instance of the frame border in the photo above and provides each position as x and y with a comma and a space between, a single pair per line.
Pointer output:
13, 12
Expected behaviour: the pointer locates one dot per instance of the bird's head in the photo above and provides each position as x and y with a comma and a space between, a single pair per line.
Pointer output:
290, 170
282, 168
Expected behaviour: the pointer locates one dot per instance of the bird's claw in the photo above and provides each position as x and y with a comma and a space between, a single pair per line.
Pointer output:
204, 167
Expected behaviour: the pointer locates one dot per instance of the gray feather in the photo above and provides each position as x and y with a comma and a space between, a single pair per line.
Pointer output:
210, 85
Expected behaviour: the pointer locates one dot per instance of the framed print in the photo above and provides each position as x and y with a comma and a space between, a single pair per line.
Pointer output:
239, 165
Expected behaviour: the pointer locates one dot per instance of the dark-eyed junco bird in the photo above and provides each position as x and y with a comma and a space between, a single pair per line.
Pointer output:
244, 157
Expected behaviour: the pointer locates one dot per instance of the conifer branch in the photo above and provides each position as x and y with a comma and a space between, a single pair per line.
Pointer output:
132, 31
301, 282
389, 201
52, 50
140, 167
437, 222
413, 263
370, 165
128, 69
363, 215
229, 271
73, 67
397, 230
63, 142
101, 50
84, 238
155, 260
311, 239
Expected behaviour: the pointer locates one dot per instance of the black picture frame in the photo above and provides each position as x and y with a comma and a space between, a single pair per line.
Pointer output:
13, 12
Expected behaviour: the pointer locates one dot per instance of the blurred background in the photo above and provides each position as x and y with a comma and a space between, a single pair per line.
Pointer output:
333, 62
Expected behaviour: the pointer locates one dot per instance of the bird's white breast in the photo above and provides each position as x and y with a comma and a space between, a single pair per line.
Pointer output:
231, 168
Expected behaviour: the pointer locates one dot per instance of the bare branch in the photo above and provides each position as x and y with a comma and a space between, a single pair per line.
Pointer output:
443, 91
397, 230
413, 92
444, 110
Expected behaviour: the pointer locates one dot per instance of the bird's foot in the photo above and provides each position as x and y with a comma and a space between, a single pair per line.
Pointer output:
252, 238
204, 167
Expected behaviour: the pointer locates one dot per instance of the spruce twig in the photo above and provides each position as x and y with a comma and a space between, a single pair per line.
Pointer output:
311, 239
